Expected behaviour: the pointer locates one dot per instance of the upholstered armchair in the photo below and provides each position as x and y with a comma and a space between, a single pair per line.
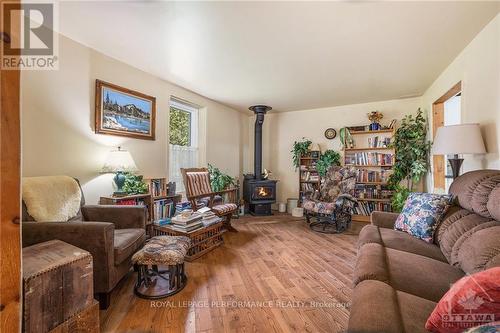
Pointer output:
334, 204
199, 193
112, 234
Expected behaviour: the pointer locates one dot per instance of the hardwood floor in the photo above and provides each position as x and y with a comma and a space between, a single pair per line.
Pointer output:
291, 278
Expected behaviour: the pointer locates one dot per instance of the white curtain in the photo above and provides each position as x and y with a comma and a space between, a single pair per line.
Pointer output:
181, 157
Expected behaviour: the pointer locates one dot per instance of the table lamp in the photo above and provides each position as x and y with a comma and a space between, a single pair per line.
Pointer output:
119, 161
458, 139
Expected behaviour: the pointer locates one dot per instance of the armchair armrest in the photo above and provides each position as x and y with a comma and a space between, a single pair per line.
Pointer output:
123, 217
384, 219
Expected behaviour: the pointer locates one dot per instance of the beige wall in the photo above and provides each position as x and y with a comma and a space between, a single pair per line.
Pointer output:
282, 129
478, 67
58, 116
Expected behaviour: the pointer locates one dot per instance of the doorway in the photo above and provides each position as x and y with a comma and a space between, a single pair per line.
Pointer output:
446, 111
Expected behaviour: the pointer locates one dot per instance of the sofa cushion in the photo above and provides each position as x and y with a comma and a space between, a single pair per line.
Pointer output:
375, 308
479, 251
421, 213
476, 294
414, 311
419, 275
453, 214
455, 230
399, 240
127, 242
474, 191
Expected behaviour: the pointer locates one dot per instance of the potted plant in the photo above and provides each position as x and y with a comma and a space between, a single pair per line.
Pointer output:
327, 159
412, 157
219, 181
134, 184
300, 148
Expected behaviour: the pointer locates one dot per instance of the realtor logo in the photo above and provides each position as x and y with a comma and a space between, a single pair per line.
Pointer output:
32, 42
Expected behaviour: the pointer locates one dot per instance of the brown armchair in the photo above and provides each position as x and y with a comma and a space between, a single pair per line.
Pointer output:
112, 234
198, 190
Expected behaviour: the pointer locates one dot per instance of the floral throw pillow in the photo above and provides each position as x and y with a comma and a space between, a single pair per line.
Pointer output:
421, 214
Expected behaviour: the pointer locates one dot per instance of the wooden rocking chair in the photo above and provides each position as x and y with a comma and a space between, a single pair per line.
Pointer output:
199, 192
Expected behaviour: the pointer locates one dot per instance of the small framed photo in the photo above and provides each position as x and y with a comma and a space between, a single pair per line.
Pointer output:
124, 112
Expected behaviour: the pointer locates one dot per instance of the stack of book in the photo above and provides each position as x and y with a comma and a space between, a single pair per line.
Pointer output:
182, 205
209, 218
187, 224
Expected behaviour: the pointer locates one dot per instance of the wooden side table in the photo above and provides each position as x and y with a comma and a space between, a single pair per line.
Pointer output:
203, 240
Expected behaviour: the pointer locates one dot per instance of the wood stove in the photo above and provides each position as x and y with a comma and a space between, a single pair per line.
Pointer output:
259, 193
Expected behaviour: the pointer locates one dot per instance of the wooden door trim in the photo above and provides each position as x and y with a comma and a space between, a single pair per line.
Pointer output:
438, 161
10, 173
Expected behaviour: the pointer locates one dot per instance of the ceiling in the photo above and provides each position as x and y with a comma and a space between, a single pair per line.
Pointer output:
290, 55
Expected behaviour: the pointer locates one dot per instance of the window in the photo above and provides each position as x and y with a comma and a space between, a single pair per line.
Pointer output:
183, 140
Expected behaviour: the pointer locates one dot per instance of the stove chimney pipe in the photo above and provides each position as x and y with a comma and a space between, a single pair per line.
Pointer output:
260, 111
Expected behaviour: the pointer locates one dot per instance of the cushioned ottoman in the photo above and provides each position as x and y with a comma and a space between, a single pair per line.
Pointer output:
164, 251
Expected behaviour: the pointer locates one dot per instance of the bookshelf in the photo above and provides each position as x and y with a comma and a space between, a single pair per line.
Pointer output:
309, 179
374, 159
159, 203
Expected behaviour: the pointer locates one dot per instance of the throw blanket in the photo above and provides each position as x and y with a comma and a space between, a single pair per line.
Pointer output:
51, 198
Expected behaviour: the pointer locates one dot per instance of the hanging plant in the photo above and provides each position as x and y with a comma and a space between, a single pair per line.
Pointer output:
300, 148
134, 184
219, 181
327, 159
412, 157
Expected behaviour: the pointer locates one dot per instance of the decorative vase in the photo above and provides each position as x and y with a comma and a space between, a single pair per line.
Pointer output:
374, 126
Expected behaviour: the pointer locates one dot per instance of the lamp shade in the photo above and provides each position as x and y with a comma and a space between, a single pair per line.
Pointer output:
458, 139
119, 161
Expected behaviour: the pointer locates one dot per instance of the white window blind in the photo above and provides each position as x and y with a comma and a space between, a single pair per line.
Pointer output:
183, 140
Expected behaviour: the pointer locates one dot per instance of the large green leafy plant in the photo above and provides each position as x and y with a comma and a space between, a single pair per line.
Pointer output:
134, 184
300, 148
327, 159
219, 181
412, 157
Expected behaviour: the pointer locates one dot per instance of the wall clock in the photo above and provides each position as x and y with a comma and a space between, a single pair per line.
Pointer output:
330, 133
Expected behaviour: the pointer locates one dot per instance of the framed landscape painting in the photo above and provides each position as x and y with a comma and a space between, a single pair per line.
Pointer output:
124, 112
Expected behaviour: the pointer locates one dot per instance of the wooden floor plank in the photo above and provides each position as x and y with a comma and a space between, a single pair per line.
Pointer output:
275, 275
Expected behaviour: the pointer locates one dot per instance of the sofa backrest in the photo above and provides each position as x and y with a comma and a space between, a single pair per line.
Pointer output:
469, 235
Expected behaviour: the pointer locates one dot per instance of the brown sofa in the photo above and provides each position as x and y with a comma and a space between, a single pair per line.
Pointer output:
399, 279
112, 234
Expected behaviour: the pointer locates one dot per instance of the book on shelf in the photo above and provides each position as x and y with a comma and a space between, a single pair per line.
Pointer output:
365, 175
162, 209
379, 142
306, 187
369, 158
366, 208
362, 191
131, 202
309, 176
